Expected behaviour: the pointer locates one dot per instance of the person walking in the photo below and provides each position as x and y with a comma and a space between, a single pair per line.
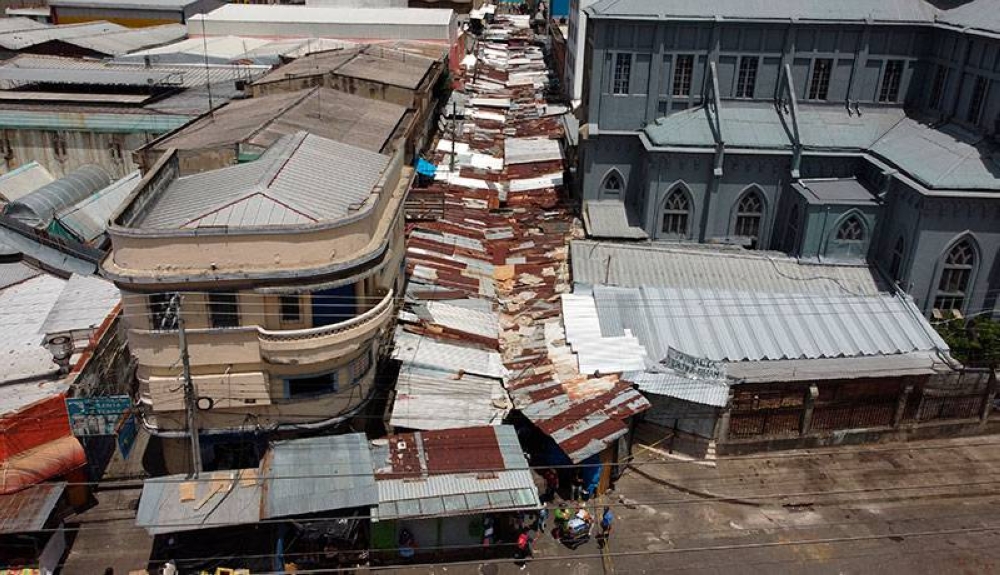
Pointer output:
542, 518
551, 484
607, 524
577, 491
523, 553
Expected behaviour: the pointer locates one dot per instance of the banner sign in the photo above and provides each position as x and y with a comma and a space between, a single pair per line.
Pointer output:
97, 415
694, 367
126, 435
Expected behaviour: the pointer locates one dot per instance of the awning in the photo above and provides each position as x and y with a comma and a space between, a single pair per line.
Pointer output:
52, 459
29, 509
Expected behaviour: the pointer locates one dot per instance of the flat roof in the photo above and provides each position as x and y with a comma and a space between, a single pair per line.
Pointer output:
126, 4
835, 191
301, 179
327, 15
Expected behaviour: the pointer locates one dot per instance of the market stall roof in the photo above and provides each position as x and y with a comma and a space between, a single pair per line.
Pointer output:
29, 509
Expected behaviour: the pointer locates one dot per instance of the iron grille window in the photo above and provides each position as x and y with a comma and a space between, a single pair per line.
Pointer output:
223, 310
749, 214
896, 266
889, 92
291, 312
159, 311
851, 230
819, 84
623, 72
937, 87
360, 367
954, 284
747, 77
976, 101
675, 214
683, 72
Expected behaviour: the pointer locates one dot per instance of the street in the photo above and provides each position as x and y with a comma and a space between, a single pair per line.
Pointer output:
923, 507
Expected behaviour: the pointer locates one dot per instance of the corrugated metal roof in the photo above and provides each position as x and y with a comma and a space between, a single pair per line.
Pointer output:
82, 120
635, 265
323, 15
216, 499
712, 393
723, 325
11, 78
609, 219
49, 256
85, 302
918, 11
15, 273
531, 150
29, 509
125, 41
185, 76
318, 474
435, 354
22, 181
25, 306
318, 178
125, 4
25, 38
462, 319
17, 23
458, 493
88, 219
40, 207
261, 121
916, 363
431, 399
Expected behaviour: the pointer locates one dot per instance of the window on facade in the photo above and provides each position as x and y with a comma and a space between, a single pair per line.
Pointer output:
955, 275
891, 80
851, 230
612, 185
896, 265
360, 367
976, 101
792, 231
223, 309
313, 385
747, 77
159, 311
749, 214
819, 84
675, 214
291, 311
683, 72
937, 87
623, 71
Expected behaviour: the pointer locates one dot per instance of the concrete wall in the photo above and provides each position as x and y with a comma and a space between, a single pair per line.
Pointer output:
61, 152
962, 58
859, 55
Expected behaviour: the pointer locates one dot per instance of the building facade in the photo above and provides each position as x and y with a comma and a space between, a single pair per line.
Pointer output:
285, 277
811, 129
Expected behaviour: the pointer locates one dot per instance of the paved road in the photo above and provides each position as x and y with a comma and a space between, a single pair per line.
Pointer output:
927, 507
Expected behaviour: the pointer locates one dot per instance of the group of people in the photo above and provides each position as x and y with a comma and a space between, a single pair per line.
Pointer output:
578, 489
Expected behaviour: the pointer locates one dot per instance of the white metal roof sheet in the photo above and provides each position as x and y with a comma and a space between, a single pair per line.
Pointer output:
314, 14
430, 399
25, 307
23, 180
609, 219
88, 219
85, 302
712, 393
431, 353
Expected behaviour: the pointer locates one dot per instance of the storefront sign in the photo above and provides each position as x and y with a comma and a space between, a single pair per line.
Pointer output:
694, 367
97, 415
126, 435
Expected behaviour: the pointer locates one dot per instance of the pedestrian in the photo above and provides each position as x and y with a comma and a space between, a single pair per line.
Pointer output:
543, 517
523, 552
488, 532
562, 515
577, 491
607, 523
551, 484
407, 545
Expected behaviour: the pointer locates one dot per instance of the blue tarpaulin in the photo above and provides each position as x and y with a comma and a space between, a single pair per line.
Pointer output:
425, 168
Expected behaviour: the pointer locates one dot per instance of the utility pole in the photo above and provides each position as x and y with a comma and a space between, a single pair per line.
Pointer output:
454, 132
189, 397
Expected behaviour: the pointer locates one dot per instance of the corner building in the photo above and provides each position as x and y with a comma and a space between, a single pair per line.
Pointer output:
286, 269
832, 131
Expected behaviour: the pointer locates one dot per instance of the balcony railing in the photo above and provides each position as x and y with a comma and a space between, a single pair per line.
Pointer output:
373, 315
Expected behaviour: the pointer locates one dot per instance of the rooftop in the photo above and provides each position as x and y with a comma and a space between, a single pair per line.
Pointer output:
130, 40
939, 156
88, 219
835, 191
374, 62
23, 180
432, 399
29, 509
452, 472
700, 267
262, 121
231, 50
125, 4
301, 179
888, 11
322, 15
19, 39
609, 219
